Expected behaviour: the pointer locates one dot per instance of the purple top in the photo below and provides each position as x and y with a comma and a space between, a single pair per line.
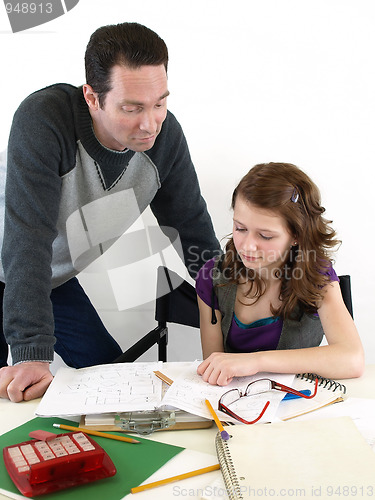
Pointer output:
262, 335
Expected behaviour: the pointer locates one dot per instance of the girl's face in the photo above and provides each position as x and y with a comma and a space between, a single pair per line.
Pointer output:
261, 237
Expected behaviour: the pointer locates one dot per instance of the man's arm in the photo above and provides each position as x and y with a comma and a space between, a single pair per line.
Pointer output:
36, 151
31, 208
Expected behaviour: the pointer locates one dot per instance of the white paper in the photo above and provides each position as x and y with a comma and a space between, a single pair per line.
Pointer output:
361, 410
10, 494
188, 392
118, 387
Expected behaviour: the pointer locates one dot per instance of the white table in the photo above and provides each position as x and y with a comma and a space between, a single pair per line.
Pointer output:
15, 414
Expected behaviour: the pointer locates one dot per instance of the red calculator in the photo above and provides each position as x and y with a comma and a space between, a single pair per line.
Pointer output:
37, 467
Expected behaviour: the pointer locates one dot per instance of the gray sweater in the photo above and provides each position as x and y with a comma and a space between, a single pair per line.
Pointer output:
68, 199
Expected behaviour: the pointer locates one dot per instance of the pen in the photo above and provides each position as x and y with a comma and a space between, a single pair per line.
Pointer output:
223, 432
289, 395
96, 433
175, 478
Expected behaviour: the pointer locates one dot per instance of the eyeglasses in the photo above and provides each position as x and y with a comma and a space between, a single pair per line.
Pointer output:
257, 387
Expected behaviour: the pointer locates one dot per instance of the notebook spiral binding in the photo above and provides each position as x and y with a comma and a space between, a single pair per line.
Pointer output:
327, 383
233, 488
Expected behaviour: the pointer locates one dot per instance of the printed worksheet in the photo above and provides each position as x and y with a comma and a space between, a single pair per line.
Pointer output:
189, 392
119, 387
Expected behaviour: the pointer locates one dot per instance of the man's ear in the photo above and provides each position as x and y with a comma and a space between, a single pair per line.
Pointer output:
91, 97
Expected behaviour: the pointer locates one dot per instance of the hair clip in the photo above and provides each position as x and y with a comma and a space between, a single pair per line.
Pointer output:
295, 196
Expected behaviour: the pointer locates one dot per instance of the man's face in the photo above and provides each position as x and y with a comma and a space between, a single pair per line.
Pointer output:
134, 109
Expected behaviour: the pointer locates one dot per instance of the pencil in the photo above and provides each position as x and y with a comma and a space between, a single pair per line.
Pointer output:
193, 473
164, 378
223, 432
96, 433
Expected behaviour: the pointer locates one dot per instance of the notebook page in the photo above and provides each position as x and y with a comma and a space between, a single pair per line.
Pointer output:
327, 394
306, 459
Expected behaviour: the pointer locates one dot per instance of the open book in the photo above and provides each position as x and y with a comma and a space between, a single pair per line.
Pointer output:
109, 390
118, 396
133, 387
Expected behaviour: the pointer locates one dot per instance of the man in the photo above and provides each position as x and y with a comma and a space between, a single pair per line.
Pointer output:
83, 163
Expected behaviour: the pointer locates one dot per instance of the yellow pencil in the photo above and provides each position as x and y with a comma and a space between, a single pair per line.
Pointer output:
193, 473
223, 432
164, 378
96, 433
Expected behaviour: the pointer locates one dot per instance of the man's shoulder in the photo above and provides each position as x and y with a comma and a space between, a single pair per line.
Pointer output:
62, 89
53, 108
59, 96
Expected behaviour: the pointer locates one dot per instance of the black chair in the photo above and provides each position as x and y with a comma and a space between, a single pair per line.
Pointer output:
346, 292
176, 302
179, 305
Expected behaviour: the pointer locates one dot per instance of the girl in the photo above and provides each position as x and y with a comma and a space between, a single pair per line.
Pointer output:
267, 302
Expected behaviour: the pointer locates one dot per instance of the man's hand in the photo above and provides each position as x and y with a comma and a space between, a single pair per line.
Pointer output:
25, 381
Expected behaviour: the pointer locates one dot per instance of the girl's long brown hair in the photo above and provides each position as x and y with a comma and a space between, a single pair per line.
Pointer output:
289, 192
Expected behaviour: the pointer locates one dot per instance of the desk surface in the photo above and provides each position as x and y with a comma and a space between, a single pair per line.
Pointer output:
15, 414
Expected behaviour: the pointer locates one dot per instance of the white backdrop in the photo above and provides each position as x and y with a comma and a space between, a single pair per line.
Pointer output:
251, 81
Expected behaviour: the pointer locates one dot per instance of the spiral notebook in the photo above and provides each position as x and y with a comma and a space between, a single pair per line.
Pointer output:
329, 392
310, 459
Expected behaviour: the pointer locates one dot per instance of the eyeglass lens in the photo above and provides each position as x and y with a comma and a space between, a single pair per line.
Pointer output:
230, 397
257, 387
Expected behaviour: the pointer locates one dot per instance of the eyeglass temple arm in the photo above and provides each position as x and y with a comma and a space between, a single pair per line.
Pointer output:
234, 415
284, 388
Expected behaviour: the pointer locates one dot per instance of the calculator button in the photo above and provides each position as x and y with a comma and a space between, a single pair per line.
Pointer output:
57, 449
15, 452
40, 445
44, 450
27, 449
72, 450
18, 459
68, 444
23, 469
29, 454
47, 455
19, 462
83, 442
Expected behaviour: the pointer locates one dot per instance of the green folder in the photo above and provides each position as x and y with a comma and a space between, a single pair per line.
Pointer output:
134, 462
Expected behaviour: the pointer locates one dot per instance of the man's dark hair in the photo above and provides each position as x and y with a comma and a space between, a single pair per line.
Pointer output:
130, 44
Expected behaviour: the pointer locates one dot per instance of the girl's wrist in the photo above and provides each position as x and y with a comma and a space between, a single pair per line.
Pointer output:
257, 361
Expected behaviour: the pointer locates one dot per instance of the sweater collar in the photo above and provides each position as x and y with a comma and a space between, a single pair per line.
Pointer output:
102, 155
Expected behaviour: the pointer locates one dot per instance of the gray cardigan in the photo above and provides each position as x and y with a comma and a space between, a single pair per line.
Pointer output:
306, 331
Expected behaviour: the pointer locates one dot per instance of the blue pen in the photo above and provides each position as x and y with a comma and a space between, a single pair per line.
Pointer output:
289, 395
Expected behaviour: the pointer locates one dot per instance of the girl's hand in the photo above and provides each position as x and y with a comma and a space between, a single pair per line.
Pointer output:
220, 367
